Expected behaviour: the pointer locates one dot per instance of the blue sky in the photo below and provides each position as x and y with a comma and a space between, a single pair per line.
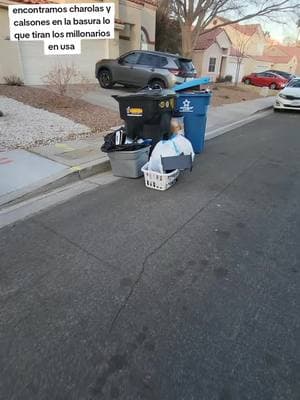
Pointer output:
286, 27
279, 31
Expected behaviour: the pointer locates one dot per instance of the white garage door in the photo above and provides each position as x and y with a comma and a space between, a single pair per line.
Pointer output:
262, 67
232, 70
36, 65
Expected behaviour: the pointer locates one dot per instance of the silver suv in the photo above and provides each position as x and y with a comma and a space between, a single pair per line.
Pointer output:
141, 68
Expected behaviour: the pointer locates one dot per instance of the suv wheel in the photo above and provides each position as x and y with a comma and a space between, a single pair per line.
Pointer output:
273, 86
105, 79
157, 84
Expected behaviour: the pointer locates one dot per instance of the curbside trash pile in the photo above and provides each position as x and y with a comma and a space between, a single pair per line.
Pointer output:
163, 131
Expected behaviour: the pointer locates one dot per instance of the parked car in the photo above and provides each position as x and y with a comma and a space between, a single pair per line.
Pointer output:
289, 97
282, 73
141, 68
268, 79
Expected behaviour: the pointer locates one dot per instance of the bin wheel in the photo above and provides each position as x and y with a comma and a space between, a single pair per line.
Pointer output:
105, 79
157, 84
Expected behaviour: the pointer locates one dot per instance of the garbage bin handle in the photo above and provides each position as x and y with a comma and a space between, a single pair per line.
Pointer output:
149, 88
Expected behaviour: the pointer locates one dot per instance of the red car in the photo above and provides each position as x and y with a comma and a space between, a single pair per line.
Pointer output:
268, 79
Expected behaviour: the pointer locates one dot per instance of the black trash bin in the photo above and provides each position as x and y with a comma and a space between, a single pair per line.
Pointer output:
147, 114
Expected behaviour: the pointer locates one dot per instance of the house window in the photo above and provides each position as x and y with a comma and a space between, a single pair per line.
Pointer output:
212, 64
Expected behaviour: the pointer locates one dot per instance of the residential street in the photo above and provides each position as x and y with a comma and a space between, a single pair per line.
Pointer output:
190, 294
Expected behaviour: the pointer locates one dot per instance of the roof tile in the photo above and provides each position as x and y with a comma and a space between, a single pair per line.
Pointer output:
273, 59
34, 1
207, 39
248, 29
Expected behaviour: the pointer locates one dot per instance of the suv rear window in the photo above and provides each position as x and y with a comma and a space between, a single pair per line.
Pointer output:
163, 61
186, 65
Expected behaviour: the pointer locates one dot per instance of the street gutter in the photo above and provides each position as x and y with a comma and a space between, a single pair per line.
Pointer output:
83, 171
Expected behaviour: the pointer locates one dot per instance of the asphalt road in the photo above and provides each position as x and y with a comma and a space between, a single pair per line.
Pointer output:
132, 294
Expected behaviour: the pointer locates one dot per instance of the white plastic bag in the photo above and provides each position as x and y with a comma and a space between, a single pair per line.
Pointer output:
175, 146
184, 145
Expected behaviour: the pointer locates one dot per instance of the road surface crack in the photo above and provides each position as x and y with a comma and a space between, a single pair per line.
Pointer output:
198, 212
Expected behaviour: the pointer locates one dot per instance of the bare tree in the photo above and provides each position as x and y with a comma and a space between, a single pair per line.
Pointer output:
290, 40
164, 41
241, 52
298, 30
194, 16
66, 80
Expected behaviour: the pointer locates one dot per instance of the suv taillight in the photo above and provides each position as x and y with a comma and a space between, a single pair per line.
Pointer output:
176, 72
181, 72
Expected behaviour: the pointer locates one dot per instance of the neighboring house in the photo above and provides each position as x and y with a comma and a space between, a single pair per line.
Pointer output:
248, 41
260, 52
290, 55
134, 29
215, 56
281, 63
250, 37
210, 55
237, 61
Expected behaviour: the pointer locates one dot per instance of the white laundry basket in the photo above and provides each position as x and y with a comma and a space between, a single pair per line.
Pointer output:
158, 181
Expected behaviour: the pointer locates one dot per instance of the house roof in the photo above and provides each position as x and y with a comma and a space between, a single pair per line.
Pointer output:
207, 39
272, 42
236, 52
289, 50
30, 2
247, 29
224, 19
273, 59
141, 2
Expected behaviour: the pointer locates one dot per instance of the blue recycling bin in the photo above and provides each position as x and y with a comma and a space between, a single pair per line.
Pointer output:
193, 106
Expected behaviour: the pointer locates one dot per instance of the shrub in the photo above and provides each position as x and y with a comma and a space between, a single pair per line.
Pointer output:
61, 78
13, 80
222, 79
228, 78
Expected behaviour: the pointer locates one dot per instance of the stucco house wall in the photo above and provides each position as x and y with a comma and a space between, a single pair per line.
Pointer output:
27, 59
137, 18
201, 61
10, 59
214, 44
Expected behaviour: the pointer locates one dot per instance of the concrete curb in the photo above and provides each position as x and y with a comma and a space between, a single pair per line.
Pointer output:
229, 127
55, 181
86, 170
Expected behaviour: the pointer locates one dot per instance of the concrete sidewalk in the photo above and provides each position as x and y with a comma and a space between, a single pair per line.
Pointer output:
27, 173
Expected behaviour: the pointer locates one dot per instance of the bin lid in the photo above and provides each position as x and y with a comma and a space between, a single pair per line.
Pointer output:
182, 161
151, 94
193, 84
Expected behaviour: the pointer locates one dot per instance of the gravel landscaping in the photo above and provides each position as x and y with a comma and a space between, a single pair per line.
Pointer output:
53, 118
25, 126
97, 118
226, 93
